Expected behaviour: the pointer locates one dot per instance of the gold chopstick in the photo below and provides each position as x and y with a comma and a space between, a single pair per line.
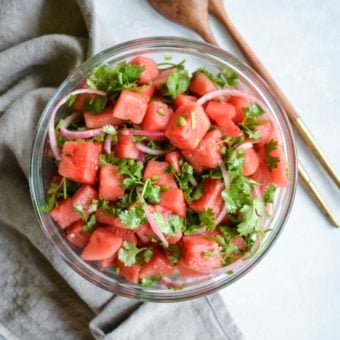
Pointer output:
314, 193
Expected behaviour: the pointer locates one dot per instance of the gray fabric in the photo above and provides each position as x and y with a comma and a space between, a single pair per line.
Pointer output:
41, 41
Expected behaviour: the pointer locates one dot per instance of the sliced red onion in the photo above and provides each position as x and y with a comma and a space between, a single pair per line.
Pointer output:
107, 144
220, 217
229, 92
154, 227
244, 146
146, 133
70, 119
257, 192
193, 182
225, 175
146, 149
80, 134
51, 130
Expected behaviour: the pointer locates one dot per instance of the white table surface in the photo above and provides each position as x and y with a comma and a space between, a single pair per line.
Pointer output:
294, 293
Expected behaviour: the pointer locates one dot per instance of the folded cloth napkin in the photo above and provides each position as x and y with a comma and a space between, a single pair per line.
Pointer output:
41, 41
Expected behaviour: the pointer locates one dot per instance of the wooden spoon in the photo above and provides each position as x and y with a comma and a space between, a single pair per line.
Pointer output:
216, 7
189, 13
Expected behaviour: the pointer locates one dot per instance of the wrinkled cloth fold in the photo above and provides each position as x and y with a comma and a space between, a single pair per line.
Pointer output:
41, 42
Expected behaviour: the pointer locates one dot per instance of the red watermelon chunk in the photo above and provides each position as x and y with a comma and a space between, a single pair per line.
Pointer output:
76, 235
262, 174
173, 158
211, 197
84, 196
187, 126
173, 200
104, 218
159, 265
200, 84
156, 117
98, 120
158, 170
230, 128
185, 271
131, 273
183, 99
199, 253
147, 90
239, 103
279, 174
266, 129
125, 233
251, 162
102, 245
79, 161
145, 233
150, 72
131, 105
110, 183
207, 155
126, 148
219, 112
64, 213
107, 262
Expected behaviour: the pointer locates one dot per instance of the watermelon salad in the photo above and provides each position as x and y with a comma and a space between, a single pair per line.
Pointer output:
163, 175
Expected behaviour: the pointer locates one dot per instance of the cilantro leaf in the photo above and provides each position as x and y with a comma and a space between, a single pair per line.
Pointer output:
268, 196
251, 217
96, 104
225, 78
132, 217
177, 83
71, 99
132, 171
168, 225
91, 222
113, 79
251, 122
149, 281
151, 193
271, 161
130, 254
173, 253
110, 130
207, 219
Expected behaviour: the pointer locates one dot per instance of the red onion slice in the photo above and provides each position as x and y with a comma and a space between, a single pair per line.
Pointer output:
150, 151
107, 144
225, 175
80, 134
220, 217
154, 227
146, 133
244, 146
229, 92
171, 284
51, 130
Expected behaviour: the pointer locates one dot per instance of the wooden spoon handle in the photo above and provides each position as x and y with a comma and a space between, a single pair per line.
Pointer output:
295, 119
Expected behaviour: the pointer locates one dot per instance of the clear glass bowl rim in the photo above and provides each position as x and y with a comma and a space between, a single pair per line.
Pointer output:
100, 279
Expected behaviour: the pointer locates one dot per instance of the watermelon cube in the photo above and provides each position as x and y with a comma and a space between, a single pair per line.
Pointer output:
98, 120
156, 117
211, 197
126, 148
64, 213
207, 155
158, 170
183, 99
81, 100
251, 162
219, 111
110, 183
102, 245
159, 265
163, 77
173, 200
173, 158
131, 273
150, 72
79, 161
104, 218
200, 84
187, 126
240, 103
84, 196
131, 105
76, 235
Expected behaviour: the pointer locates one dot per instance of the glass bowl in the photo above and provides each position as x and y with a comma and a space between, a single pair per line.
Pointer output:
196, 54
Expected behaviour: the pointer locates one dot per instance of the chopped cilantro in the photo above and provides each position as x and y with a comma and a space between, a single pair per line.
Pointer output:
149, 281
225, 78
251, 122
207, 219
177, 83
130, 254
91, 222
110, 130
96, 104
251, 218
271, 161
132, 217
268, 196
132, 171
113, 79
71, 99
150, 192
168, 225
173, 253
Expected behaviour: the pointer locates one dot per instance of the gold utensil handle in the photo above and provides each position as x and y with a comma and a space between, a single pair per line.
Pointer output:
314, 193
